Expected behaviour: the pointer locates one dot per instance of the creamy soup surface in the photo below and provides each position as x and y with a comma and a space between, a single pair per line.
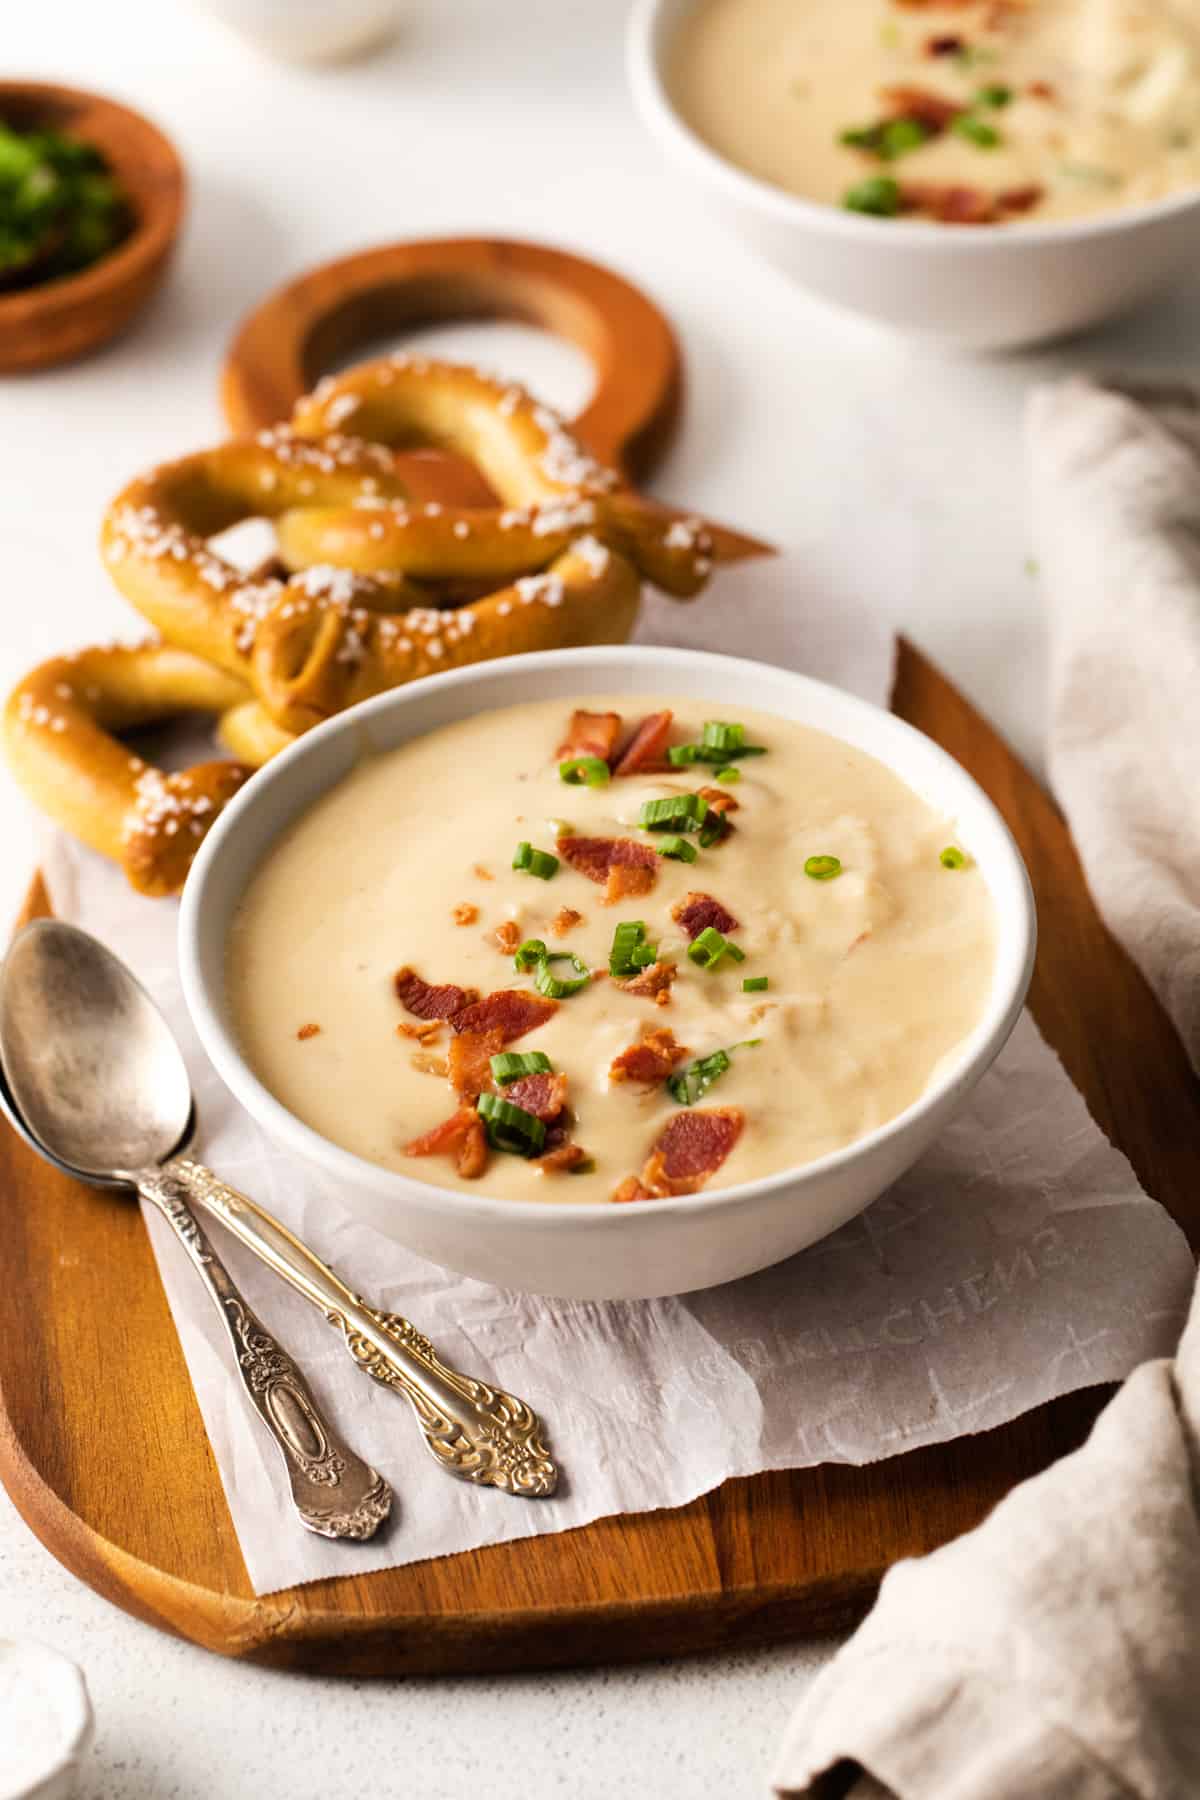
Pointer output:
875, 976
1032, 109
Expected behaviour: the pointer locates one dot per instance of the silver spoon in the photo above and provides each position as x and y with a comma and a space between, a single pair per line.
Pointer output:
82, 1116
101, 1087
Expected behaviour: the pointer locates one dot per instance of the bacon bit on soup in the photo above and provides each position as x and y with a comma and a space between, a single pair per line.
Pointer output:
934, 111
696, 912
959, 205
719, 799
512, 1012
425, 1032
470, 1061
690, 1147
465, 913
462, 1136
308, 1031
591, 734
426, 1001
1019, 200
484, 874
564, 1157
624, 880
507, 937
653, 983
645, 748
1043, 90
545, 1096
425, 1064
651, 1059
595, 856
948, 45
564, 920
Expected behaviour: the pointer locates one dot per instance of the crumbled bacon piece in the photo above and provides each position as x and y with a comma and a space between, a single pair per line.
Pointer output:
645, 748
424, 1032
934, 111
595, 856
545, 1096
625, 880
690, 1147
958, 205
425, 1001
563, 1157
1020, 200
947, 45
484, 874
465, 913
461, 1135
653, 983
308, 1031
591, 734
720, 800
512, 1012
564, 920
470, 1061
507, 936
651, 1059
696, 912
1043, 90
425, 1064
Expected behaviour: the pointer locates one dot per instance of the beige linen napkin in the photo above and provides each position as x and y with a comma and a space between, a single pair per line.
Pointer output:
1054, 1652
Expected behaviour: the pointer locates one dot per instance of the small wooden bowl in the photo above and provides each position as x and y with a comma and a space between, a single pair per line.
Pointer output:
70, 316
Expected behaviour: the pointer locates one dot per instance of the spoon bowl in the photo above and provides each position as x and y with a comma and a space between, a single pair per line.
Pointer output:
89, 1060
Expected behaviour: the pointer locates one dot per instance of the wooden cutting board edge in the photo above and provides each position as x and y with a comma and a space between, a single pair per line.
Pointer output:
1149, 1102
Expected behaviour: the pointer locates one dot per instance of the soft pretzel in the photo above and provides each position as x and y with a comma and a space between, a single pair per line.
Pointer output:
58, 736
563, 555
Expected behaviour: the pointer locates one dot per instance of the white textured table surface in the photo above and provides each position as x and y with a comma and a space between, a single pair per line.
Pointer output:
895, 470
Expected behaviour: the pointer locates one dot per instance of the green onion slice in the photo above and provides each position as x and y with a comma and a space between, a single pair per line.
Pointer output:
535, 862
718, 735
689, 1084
756, 984
976, 131
710, 946
529, 954
511, 1065
681, 812
729, 774
630, 951
681, 755
822, 868
556, 987
585, 771
677, 848
878, 195
510, 1127
952, 858
712, 834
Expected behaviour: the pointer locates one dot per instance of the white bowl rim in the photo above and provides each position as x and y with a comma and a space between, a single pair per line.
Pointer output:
658, 110
959, 1073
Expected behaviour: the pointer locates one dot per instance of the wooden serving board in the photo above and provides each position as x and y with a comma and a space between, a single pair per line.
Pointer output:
103, 1451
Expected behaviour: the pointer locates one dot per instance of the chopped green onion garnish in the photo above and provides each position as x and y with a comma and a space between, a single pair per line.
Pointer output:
708, 948
996, 94
535, 862
712, 834
681, 811
510, 1127
952, 858
678, 848
729, 775
690, 1083
511, 1065
822, 868
589, 771
878, 195
681, 755
630, 951
528, 954
756, 984
717, 735
586, 1166
976, 131
558, 988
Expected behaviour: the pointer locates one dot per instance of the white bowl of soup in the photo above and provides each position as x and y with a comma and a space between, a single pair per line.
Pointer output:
987, 174
608, 973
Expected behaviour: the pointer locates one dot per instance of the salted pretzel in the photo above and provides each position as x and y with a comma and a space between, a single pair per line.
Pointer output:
377, 590
59, 726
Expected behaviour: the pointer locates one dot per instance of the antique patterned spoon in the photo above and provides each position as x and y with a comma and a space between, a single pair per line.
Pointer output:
101, 1086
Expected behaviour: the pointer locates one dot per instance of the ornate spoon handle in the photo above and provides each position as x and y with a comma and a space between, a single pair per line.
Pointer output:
335, 1493
476, 1432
